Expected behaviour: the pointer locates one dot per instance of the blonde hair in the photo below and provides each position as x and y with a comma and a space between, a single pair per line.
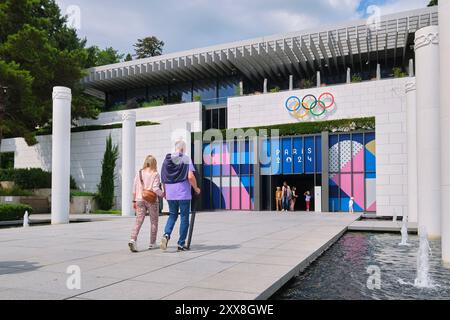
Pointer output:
150, 162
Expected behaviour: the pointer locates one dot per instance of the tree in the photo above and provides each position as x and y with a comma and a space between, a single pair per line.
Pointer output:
148, 47
128, 58
98, 57
37, 46
105, 195
433, 3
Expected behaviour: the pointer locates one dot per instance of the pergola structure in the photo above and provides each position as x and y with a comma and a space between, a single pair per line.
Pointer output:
329, 50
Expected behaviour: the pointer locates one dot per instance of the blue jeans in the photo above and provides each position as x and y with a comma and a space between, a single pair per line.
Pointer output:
184, 208
285, 203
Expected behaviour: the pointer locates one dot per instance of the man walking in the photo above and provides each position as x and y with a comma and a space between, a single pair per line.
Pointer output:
178, 177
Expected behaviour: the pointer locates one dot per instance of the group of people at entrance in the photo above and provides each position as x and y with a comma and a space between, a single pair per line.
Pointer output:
174, 184
286, 198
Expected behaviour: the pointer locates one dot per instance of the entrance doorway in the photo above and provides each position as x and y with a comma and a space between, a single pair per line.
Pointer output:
303, 183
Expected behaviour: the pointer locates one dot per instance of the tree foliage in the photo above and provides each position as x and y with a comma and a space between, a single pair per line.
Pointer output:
148, 47
100, 57
37, 52
433, 3
106, 186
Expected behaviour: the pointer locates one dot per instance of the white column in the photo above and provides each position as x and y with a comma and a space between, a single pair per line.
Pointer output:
349, 76
411, 115
291, 82
428, 130
265, 86
128, 162
241, 88
411, 68
62, 98
378, 71
444, 37
319, 82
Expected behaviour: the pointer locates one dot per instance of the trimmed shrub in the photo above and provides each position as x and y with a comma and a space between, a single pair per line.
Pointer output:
105, 196
15, 192
10, 212
29, 179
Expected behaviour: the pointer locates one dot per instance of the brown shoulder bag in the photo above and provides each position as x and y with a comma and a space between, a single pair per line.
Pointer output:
147, 195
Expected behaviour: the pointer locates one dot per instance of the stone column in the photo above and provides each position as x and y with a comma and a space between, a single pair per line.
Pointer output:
411, 115
349, 76
241, 88
428, 130
291, 82
62, 98
378, 71
319, 81
411, 68
128, 162
444, 37
265, 86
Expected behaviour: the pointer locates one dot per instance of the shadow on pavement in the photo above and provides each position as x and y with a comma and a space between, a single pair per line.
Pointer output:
13, 267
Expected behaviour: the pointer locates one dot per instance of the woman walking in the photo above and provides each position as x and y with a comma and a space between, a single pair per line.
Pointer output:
287, 195
146, 194
293, 198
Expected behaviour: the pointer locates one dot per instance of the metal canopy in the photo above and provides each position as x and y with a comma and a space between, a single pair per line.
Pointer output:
297, 53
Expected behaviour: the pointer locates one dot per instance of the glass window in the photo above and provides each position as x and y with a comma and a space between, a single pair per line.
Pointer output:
228, 87
181, 93
207, 91
116, 97
158, 93
140, 94
7, 160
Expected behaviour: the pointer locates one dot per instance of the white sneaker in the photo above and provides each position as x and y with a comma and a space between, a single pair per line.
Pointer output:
133, 246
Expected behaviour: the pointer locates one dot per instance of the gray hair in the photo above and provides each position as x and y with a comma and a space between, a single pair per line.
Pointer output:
180, 146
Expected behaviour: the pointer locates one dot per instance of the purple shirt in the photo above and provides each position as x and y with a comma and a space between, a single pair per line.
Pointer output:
180, 190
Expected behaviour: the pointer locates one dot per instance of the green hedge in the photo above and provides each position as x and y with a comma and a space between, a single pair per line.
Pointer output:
15, 192
28, 179
314, 127
10, 212
48, 130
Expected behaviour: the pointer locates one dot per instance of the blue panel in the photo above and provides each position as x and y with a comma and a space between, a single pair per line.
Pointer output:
297, 153
245, 157
319, 154
265, 158
216, 193
370, 158
287, 155
334, 196
309, 155
276, 156
216, 155
235, 158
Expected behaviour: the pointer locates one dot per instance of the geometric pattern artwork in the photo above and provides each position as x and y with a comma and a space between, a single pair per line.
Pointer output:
228, 176
352, 171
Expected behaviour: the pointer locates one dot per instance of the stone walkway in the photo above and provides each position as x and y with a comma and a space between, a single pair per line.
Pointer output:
235, 255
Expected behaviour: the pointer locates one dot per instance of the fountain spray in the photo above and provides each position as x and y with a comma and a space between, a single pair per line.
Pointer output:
423, 260
26, 220
404, 232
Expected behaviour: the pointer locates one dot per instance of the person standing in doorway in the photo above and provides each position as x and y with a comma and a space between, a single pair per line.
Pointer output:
308, 200
178, 177
147, 179
294, 198
286, 198
278, 198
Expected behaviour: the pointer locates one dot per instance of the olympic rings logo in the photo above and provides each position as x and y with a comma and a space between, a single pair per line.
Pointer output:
310, 105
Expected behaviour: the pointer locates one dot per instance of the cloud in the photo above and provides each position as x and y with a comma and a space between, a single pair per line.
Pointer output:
187, 24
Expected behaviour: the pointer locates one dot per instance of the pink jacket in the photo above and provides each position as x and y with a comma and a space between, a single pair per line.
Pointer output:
152, 181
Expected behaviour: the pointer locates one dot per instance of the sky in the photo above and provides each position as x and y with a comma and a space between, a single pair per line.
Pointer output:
189, 24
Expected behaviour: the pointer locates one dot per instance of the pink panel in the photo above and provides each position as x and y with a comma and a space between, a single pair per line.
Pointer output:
226, 196
358, 189
346, 184
373, 207
245, 199
235, 201
358, 162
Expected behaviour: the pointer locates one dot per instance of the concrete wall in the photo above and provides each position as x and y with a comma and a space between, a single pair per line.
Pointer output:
384, 99
88, 147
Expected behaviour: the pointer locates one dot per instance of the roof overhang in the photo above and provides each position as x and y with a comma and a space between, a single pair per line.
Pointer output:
298, 53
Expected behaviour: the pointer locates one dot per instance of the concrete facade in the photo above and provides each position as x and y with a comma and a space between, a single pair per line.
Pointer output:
385, 100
